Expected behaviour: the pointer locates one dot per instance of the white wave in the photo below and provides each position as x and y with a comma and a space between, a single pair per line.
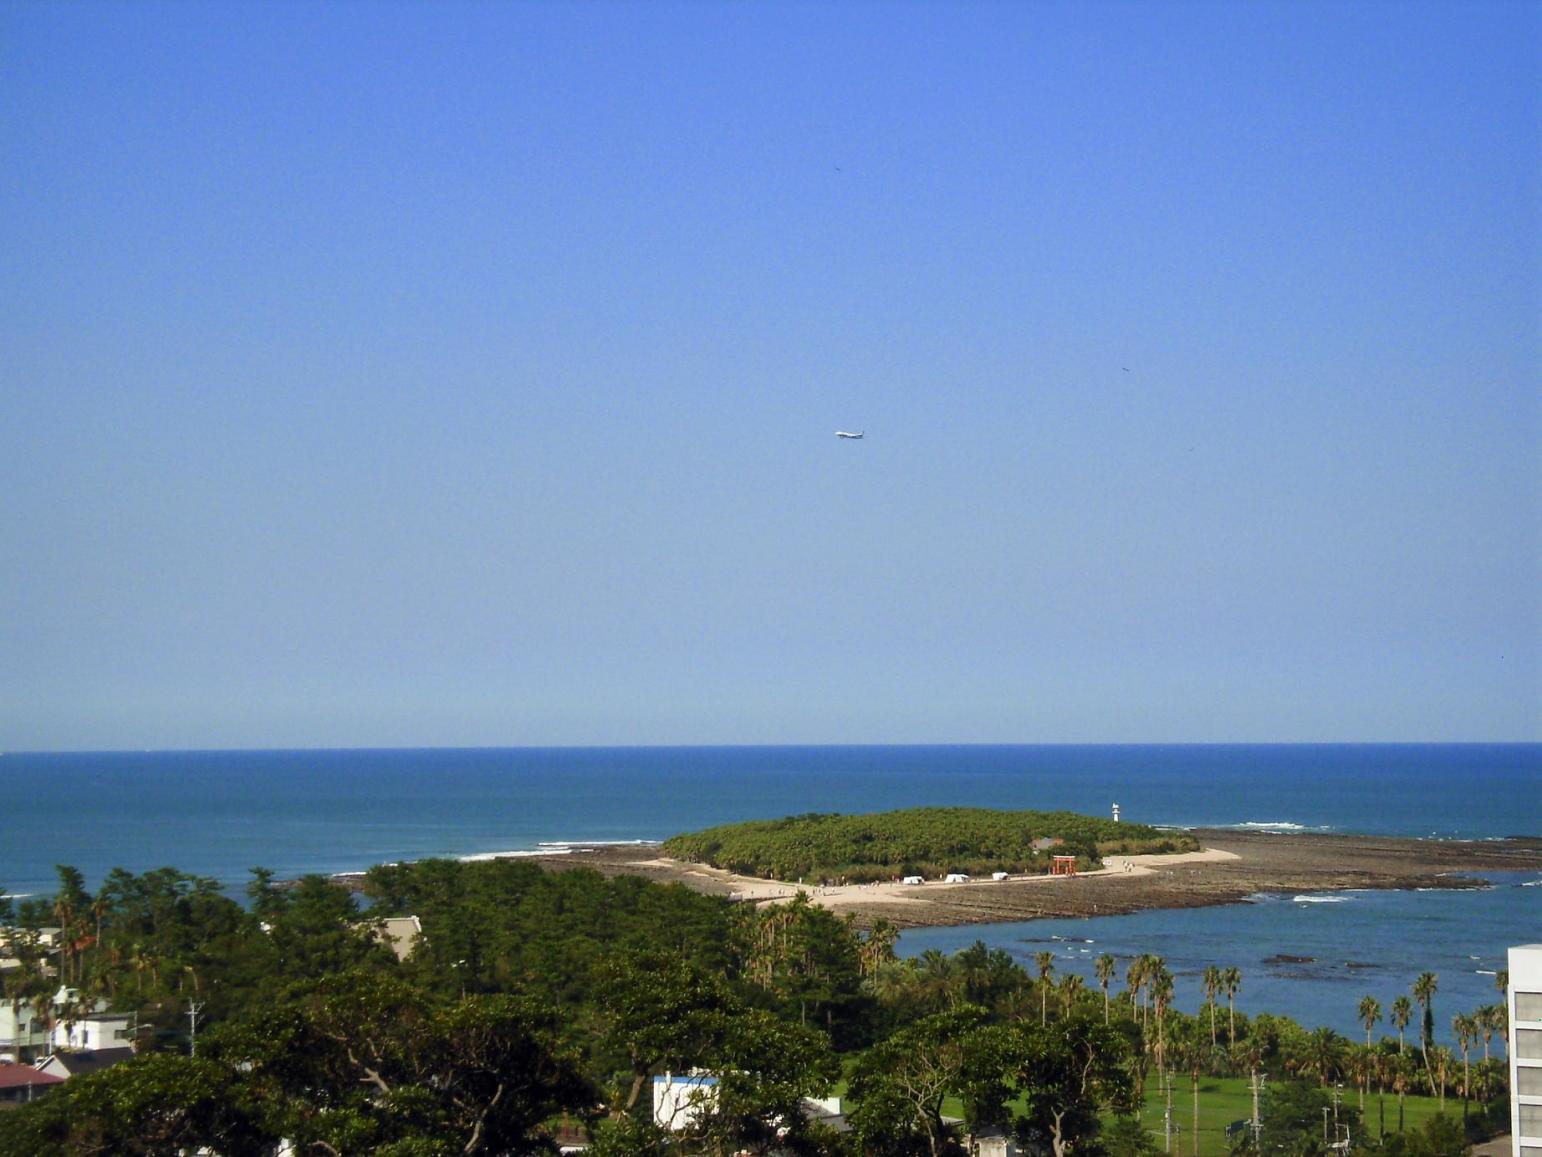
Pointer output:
1530, 883
482, 857
596, 843
1278, 827
1484, 972
1306, 899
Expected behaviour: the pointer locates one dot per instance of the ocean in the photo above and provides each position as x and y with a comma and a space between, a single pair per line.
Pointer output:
220, 813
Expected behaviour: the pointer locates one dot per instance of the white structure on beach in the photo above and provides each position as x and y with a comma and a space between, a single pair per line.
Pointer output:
1525, 1001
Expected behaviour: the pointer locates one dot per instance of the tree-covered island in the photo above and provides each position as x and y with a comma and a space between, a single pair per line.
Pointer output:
928, 841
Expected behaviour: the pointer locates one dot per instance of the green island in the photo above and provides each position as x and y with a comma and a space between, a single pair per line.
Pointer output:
496, 1008
927, 841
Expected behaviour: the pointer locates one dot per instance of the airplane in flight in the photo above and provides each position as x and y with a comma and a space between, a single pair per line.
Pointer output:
849, 434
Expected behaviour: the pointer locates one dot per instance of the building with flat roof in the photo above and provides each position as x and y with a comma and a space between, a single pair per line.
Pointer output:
1525, 1005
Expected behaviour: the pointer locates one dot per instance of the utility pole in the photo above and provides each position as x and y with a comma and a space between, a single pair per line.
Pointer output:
193, 1009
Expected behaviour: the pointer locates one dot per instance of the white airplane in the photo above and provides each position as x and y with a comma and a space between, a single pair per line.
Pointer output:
849, 434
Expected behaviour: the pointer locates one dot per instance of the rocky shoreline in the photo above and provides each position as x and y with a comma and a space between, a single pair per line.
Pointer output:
1240, 864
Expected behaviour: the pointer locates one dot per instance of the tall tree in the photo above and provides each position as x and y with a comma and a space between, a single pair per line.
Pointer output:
1424, 992
151, 1105
1466, 1029
1068, 1074
1045, 961
71, 904
1071, 986
1212, 985
1321, 1055
1369, 1013
660, 1011
1231, 982
765, 1067
1161, 985
899, 1085
1402, 1013
1106, 966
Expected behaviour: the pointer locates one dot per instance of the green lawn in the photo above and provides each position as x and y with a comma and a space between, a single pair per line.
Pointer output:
1227, 1099
1223, 1100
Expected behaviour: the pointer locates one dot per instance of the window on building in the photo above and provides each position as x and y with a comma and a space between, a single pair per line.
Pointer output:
1528, 1081
1528, 1006
1531, 1120
1528, 1044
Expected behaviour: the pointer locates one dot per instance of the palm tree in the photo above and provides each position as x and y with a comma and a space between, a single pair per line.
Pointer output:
1400, 1084
1370, 1013
1106, 966
1193, 1053
1161, 999
1212, 984
71, 904
1466, 1029
1402, 1013
939, 979
1071, 986
1491, 1017
878, 947
1360, 1060
1441, 1060
1231, 981
1322, 1055
1135, 980
1424, 992
1156, 968
1382, 1069
1046, 963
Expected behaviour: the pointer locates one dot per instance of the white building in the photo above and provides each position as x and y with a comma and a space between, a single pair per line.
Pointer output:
22, 1034
79, 1029
679, 1100
1525, 1001
97, 1030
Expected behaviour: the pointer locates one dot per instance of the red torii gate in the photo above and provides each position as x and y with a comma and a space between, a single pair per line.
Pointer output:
1063, 866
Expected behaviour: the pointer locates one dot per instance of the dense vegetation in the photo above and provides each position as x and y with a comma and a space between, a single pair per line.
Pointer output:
539, 1006
916, 841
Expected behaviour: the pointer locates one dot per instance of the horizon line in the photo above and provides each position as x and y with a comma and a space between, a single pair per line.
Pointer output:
340, 748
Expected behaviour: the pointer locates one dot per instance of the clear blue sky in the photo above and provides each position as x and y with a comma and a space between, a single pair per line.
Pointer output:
397, 374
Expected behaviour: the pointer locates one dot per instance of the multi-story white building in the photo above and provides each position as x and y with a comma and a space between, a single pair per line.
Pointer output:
1525, 1000
22, 1035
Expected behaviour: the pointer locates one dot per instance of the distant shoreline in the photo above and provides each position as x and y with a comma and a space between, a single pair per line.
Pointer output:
1234, 866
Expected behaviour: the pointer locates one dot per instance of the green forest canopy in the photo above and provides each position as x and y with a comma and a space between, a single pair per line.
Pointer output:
926, 841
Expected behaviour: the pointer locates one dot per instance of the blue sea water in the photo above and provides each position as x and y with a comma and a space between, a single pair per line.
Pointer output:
1341, 946
220, 813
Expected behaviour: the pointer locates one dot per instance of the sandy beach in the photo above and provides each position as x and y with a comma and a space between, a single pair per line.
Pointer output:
1231, 867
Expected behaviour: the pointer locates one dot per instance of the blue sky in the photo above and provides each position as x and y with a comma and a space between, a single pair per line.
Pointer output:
396, 374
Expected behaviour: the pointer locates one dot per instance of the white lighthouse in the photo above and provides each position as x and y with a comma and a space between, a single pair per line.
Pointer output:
1116, 813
